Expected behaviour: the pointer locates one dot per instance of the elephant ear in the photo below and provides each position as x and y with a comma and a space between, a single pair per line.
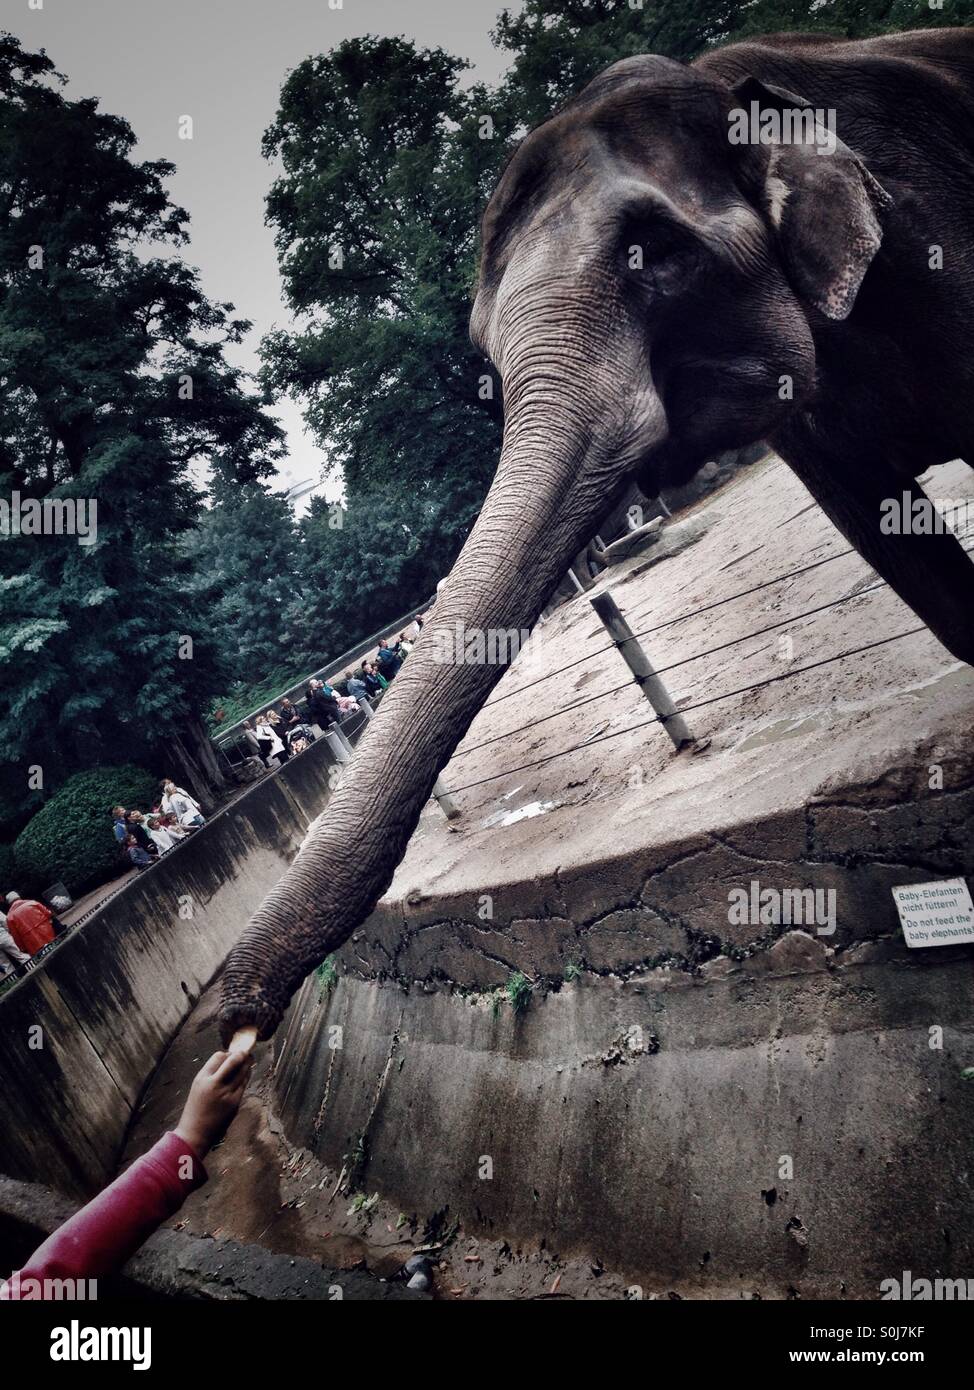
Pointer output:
823, 203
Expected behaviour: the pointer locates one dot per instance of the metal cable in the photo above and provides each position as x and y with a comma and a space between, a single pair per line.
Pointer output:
718, 603
683, 617
713, 699
659, 671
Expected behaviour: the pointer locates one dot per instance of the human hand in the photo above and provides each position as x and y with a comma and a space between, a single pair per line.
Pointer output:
214, 1099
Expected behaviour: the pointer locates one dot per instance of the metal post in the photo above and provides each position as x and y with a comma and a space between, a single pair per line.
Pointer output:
447, 805
576, 581
342, 738
338, 744
641, 667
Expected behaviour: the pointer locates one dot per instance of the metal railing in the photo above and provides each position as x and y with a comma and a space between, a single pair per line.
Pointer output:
230, 733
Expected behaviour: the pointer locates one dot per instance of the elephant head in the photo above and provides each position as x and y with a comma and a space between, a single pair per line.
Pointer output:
667, 271
644, 295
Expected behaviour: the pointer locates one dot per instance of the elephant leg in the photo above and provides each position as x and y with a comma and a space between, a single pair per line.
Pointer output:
931, 573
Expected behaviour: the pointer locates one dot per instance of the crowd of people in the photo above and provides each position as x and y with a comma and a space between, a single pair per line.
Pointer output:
279, 733
27, 926
144, 837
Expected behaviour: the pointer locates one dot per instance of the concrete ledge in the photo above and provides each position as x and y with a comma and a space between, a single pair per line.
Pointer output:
668, 904
81, 1035
174, 1264
694, 1102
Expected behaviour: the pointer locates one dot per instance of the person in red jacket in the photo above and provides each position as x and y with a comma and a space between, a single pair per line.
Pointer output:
30, 923
99, 1238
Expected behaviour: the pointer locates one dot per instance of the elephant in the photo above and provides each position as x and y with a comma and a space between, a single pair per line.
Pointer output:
773, 243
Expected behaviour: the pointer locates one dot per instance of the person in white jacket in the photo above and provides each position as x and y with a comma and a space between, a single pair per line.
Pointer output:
177, 802
265, 732
10, 953
162, 835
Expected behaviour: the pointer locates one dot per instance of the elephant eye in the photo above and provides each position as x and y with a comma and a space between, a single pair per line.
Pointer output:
660, 258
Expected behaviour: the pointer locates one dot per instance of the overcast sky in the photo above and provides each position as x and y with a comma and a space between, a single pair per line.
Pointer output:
222, 62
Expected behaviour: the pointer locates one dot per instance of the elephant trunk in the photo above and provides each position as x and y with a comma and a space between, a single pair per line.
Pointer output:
552, 487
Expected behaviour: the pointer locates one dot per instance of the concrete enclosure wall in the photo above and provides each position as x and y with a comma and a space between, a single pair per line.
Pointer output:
82, 1034
712, 1107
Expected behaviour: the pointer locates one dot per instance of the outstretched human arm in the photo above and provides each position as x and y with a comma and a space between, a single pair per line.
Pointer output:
100, 1237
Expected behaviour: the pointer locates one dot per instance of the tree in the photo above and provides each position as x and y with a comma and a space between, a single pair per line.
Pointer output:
558, 46
384, 172
71, 838
378, 562
114, 386
245, 565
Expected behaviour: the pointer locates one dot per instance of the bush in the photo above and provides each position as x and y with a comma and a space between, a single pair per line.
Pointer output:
71, 837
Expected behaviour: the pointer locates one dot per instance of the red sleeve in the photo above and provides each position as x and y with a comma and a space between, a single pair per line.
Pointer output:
100, 1237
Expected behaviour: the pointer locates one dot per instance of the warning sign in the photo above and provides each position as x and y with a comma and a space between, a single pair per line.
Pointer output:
935, 914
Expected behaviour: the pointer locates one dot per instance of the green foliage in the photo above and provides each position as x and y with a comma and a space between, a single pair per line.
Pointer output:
327, 975
518, 991
115, 384
18, 801
383, 165
244, 697
361, 1203
379, 563
314, 588
244, 561
851, 19
558, 47
71, 839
